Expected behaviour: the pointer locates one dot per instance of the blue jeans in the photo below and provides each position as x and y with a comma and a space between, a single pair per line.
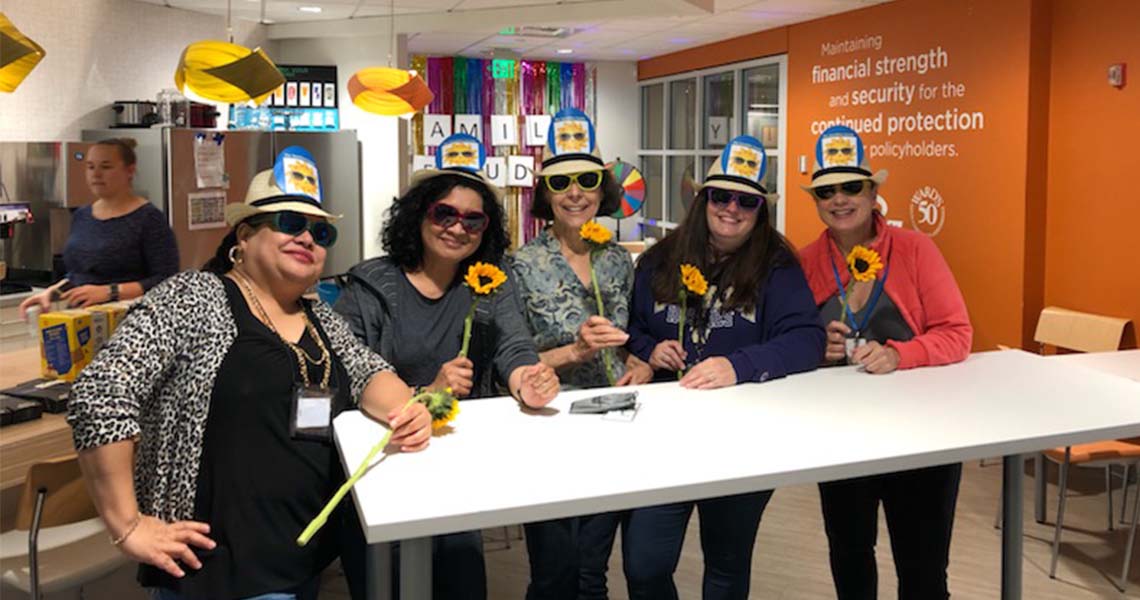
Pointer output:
569, 557
652, 540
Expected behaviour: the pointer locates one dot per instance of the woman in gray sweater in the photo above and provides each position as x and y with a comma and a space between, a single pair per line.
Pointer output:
411, 305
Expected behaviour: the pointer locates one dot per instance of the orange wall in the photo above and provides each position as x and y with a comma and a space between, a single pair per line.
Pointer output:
1092, 257
1038, 208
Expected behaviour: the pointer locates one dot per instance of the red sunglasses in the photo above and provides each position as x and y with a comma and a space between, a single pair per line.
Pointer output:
446, 215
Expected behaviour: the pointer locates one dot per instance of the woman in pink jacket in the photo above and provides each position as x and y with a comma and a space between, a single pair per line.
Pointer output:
911, 315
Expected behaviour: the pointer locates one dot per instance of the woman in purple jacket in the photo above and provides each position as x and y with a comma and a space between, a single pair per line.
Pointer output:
757, 322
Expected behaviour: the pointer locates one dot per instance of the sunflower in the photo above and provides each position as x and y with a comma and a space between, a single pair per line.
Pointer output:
694, 280
595, 233
442, 406
484, 278
864, 263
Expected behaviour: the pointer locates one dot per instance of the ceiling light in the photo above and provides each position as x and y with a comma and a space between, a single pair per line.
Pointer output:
565, 51
309, 9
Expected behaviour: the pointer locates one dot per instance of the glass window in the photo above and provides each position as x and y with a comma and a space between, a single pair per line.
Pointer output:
717, 114
653, 116
682, 114
651, 171
682, 185
761, 104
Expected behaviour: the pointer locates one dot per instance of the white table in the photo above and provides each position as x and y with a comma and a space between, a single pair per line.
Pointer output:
502, 465
1125, 363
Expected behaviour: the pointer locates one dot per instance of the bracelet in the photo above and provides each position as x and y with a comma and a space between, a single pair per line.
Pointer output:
130, 529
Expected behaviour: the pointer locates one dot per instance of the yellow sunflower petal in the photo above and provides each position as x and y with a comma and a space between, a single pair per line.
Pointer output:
864, 263
484, 278
595, 233
694, 280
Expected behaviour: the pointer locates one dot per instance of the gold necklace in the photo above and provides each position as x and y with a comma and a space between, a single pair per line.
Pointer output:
303, 358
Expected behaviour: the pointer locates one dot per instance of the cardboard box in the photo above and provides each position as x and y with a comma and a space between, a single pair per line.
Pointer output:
65, 343
100, 329
115, 311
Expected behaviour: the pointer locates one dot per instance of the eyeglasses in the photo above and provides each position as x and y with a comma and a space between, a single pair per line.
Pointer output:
587, 181
446, 215
725, 197
850, 188
294, 224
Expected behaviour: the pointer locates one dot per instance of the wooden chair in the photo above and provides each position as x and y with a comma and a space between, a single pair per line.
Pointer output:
59, 542
1061, 328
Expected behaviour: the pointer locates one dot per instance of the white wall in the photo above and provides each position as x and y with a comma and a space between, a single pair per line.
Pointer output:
97, 52
617, 123
381, 146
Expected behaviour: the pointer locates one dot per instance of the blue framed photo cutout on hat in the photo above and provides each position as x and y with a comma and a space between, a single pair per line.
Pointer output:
295, 173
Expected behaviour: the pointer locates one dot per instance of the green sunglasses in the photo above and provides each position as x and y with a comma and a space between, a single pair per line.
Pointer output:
587, 181
294, 224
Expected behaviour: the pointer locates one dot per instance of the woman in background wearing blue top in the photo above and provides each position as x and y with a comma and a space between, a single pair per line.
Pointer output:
757, 322
120, 246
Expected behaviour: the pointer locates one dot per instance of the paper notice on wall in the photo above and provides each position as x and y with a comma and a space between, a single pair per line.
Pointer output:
496, 170
436, 129
472, 125
504, 130
206, 210
210, 160
536, 128
520, 171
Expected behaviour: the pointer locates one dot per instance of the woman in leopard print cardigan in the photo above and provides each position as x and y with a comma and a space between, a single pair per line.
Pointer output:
183, 422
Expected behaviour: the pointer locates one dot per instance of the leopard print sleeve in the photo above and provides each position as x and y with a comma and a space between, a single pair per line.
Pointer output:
111, 392
359, 360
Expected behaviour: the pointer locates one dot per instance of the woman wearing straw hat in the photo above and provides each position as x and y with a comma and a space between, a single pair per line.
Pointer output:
910, 314
569, 557
220, 388
755, 322
411, 306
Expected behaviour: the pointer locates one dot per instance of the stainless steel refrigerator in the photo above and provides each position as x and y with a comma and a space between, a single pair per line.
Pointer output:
168, 175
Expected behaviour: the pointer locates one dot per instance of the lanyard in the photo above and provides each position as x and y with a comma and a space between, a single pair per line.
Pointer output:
870, 307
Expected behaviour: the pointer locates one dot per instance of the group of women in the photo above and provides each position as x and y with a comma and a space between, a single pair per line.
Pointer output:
187, 422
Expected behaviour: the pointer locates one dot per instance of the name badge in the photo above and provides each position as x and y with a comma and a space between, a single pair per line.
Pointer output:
312, 413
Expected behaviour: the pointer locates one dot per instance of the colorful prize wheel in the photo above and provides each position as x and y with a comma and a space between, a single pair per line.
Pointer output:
633, 188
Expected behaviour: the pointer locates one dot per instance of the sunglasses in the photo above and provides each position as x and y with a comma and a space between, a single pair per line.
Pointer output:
587, 181
294, 224
446, 215
850, 188
725, 197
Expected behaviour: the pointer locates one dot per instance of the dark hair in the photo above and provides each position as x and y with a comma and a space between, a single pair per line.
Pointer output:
125, 146
402, 239
611, 197
744, 270
220, 264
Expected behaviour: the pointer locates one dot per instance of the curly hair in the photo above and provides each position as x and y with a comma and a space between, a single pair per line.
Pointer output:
611, 197
402, 239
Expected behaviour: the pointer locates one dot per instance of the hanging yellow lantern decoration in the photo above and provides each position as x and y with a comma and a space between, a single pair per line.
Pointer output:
18, 55
389, 91
227, 72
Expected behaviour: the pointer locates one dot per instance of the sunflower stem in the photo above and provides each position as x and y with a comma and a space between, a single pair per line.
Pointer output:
681, 327
601, 313
467, 327
323, 517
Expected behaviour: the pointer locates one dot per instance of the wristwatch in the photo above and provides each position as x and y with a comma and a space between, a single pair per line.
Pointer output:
114, 292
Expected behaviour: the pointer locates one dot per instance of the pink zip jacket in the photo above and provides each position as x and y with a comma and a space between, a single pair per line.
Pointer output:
920, 285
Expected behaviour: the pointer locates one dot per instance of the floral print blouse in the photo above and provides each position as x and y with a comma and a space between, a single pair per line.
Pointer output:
557, 303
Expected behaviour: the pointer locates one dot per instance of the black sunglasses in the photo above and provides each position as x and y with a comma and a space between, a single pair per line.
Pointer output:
294, 224
725, 197
446, 215
587, 181
850, 188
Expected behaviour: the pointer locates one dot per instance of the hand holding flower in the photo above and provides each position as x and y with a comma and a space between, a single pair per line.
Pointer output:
457, 374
